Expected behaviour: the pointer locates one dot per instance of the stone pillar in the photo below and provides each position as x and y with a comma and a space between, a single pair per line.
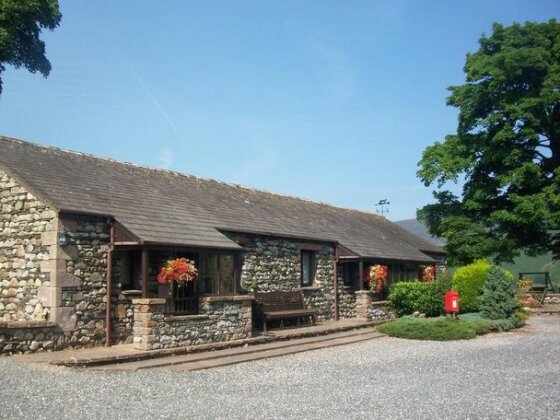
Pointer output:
51, 296
147, 314
363, 303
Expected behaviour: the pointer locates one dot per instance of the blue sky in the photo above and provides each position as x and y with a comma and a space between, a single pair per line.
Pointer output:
328, 100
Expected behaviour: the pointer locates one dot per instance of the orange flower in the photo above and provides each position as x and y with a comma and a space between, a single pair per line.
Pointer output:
377, 276
179, 270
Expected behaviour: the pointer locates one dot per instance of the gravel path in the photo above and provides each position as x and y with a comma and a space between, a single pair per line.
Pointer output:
510, 375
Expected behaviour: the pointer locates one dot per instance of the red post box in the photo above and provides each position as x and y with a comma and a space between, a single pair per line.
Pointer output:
452, 301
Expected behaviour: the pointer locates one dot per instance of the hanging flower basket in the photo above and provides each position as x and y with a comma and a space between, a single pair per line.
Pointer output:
178, 270
428, 274
376, 277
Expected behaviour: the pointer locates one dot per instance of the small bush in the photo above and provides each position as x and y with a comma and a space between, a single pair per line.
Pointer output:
444, 329
507, 324
439, 329
408, 297
469, 282
521, 315
476, 319
498, 298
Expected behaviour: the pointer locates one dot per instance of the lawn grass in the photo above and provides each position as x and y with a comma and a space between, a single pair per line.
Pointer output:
444, 329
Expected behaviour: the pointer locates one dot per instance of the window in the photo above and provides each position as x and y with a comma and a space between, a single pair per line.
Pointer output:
128, 269
307, 268
226, 274
207, 273
351, 274
216, 274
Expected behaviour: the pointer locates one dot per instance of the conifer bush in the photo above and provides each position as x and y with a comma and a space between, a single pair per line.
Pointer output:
498, 300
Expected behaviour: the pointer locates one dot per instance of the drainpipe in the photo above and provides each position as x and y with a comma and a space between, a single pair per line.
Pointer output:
108, 281
335, 283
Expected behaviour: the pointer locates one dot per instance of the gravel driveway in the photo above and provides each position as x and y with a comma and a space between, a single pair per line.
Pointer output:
510, 375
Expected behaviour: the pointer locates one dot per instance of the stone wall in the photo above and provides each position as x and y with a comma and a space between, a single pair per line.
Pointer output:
271, 264
321, 295
379, 311
552, 299
346, 297
83, 302
368, 309
222, 318
21, 337
23, 221
275, 264
122, 317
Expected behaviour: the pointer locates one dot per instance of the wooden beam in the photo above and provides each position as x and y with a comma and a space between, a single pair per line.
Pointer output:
144, 274
218, 280
361, 275
335, 283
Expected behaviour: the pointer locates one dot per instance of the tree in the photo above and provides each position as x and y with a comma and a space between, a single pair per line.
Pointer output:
506, 149
21, 22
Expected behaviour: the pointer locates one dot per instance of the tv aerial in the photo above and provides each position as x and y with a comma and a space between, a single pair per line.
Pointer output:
382, 207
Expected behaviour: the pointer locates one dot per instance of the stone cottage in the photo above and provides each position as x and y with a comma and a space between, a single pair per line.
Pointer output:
82, 239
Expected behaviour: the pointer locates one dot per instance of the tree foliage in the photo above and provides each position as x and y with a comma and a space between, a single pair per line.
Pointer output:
506, 149
21, 22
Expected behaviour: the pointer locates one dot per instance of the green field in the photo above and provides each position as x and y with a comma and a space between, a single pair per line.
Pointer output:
522, 264
525, 264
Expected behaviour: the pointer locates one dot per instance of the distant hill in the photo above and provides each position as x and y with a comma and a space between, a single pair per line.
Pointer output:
521, 264
419, 229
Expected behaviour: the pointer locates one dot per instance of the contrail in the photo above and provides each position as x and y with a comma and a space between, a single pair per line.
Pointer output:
151, 96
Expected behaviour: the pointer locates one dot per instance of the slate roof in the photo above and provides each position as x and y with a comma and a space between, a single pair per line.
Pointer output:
164, 207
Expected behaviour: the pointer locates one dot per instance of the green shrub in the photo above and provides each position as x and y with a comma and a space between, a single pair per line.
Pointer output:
468, 325
408, 297
521, 314
515, 321
507, 324
443, 283
498, 298
469, 281
440, 329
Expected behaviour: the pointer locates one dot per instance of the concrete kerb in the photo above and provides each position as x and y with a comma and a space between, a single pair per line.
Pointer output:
546, 310
117, 356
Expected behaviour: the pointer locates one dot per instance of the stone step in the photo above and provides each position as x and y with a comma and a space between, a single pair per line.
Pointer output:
243, 358
127, 354
266, 354
239, 355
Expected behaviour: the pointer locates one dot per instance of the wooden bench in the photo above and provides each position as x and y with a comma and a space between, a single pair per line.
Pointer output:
281, 304
538, 292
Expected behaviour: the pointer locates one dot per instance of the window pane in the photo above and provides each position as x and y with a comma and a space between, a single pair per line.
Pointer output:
129, 269
226, 274
208, 273
307, 268
351, 273
124, 270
